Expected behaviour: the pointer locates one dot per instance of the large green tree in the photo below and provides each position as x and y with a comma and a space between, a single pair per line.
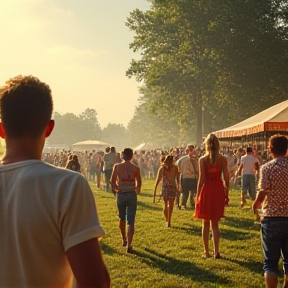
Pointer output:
210, 59
115, 134
159, 130
70, 128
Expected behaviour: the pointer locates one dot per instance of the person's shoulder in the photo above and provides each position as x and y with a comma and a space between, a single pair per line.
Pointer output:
181, 158
161, 168
203, 158
135, 166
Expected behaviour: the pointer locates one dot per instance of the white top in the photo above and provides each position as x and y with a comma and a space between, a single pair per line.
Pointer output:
186, 168
248, 164
44, 211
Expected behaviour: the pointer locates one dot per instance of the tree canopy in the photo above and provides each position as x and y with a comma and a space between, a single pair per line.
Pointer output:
208, 64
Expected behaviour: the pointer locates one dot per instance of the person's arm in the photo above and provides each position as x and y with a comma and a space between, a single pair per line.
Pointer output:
113, 179
259, 200
68, 165
178, 179
201, 179
196, 167
257, 166
138, 179
87, 265
260, 197
226, 179
239, 169
158, 179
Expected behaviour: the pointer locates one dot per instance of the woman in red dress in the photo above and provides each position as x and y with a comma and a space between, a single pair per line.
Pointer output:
212, 195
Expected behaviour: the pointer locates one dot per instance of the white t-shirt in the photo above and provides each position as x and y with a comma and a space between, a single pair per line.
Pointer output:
248, 164
187, 169
44, 211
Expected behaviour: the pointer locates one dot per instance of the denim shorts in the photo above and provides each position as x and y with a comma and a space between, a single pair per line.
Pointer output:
274, 236
127, 206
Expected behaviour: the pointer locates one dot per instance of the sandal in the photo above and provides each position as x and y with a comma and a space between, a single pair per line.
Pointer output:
205, 255
217, 256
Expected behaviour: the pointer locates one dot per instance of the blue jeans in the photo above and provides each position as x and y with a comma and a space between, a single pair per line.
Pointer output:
127, 206
274, 236
249, 184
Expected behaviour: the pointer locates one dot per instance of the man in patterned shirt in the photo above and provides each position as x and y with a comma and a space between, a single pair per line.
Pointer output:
272, 198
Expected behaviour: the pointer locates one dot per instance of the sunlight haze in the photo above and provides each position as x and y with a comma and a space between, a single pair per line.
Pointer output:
79, 47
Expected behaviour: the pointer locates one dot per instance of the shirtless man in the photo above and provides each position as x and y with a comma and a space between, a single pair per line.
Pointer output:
126, 182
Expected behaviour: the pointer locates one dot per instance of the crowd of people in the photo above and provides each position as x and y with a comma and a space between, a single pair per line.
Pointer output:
52, 230
184, 173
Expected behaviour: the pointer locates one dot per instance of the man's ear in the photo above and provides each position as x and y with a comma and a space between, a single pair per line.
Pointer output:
49, 128
2, 131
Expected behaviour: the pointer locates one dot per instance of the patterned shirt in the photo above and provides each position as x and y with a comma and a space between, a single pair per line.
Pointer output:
274, 180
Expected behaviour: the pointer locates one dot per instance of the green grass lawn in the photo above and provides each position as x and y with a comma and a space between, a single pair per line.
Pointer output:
172, 257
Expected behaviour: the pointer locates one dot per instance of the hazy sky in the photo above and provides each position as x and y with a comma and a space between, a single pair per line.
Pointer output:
79, 47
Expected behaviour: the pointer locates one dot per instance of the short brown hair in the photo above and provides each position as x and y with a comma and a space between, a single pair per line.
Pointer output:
278, 144
26, 106
127, 154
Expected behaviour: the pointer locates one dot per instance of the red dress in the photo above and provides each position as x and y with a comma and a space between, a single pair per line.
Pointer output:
211, 202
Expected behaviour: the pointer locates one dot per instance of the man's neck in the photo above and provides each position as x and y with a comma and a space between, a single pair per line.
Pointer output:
22, 149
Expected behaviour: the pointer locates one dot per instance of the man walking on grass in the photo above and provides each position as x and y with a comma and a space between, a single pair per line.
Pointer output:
189, 171
249, 166
48, 215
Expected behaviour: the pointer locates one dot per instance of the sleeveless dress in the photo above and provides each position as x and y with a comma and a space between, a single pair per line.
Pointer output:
211, 202
169, 188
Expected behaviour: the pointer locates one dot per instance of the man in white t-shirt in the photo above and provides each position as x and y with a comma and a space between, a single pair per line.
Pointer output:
249, 166
189, 170
48, 217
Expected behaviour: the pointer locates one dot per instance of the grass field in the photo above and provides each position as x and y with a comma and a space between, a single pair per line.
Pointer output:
172, 257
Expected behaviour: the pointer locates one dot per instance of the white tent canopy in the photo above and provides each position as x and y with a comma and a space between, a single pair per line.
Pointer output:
90, 145
144, 146
274, 118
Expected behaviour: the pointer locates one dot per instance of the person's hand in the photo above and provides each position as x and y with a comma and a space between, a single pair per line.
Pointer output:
226, 201
256, 206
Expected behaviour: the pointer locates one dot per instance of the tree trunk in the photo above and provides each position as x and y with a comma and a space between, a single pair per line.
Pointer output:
199, 122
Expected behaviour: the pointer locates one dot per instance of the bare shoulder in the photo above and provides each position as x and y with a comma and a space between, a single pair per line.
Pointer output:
134, 167
223, 158
203, 158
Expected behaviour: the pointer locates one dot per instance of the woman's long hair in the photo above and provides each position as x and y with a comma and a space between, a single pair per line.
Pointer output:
212, 147
168, 162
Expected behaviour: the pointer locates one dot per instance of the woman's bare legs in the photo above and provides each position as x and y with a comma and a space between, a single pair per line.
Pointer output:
216, 236
170, 211
165, 210
122, 226
130, 234
205, 236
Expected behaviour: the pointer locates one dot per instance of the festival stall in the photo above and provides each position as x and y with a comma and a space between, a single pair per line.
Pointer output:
257, 129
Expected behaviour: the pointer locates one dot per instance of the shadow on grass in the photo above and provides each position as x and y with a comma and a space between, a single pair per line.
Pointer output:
253, 266
233, 235
189, 229
177, 267
107, 249
146, 193
149, 206
240, 223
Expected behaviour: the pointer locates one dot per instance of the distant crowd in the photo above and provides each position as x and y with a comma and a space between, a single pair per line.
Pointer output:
92, 162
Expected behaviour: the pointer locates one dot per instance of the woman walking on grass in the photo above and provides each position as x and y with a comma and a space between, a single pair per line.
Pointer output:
212, 195
126, 182
169, 173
